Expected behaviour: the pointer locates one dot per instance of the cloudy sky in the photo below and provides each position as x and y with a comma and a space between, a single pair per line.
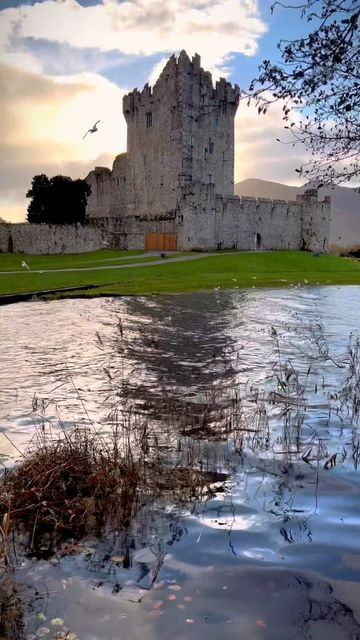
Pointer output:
66, 63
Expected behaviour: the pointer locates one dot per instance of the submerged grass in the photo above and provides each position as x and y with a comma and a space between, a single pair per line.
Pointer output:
71, 481
78, 481
268, 269
75, 482
11, 611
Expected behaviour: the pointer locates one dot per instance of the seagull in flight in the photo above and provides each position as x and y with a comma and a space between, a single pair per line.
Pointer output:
93, 129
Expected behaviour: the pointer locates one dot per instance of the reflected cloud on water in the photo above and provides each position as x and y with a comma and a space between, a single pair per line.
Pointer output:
264, 554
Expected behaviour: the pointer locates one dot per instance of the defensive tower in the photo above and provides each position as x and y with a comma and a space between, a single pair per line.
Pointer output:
178, 132
174, 187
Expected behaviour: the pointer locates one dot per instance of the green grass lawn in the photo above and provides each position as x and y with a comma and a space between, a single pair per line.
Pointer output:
12, 261
273, 269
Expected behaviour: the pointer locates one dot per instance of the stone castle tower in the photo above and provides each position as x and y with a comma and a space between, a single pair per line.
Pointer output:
174, 187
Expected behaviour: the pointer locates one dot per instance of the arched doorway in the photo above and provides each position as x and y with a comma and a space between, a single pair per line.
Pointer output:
258, 241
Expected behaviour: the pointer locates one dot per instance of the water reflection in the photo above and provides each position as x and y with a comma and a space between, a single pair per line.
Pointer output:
230, 381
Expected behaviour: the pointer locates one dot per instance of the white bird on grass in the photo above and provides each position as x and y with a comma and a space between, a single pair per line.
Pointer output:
26, 266
93, 129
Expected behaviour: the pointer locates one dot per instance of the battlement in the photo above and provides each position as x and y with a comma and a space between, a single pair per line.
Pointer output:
310, 196
178, 73
177, 175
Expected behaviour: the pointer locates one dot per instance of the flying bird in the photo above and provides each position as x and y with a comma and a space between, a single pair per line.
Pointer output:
93, 129
26, 266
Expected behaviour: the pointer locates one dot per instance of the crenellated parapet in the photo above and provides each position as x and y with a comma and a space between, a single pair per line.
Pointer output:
177, 175
181, 71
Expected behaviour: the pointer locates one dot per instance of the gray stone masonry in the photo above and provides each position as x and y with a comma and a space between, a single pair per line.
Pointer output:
177, 178
49, 239
177, 175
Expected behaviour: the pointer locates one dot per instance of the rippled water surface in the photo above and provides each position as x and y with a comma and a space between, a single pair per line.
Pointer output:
275, 553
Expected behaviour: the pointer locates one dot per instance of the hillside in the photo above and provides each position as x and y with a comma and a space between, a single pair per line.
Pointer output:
345, 208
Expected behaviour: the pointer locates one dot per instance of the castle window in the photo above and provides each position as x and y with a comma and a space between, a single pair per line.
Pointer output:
211, 146
211, 181
205, 152
223, 156
149, 119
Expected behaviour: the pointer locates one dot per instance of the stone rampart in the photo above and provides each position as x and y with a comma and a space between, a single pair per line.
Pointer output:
39, 239
202, 220
209, 221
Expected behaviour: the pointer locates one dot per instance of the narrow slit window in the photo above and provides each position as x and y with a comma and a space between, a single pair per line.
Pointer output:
149, 120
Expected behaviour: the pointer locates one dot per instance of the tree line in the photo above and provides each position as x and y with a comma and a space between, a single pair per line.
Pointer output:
57, 200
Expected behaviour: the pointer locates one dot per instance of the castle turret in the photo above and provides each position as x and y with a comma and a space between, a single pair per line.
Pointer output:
315, 222
180, 131
174, 186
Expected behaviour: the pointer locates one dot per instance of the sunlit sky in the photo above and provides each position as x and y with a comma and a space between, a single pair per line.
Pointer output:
66, 63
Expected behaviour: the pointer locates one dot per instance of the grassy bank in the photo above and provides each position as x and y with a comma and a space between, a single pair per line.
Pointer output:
227, 270
12, 261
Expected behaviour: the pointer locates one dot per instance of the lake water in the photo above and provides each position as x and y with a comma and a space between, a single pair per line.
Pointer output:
275, 553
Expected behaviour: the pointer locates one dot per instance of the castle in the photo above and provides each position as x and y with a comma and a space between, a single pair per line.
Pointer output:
174, 187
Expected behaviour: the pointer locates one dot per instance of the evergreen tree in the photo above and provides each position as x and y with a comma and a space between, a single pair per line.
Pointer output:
57, 200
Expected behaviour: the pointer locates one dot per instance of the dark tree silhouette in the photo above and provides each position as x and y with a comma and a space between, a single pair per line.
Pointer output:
319, 75
57, 200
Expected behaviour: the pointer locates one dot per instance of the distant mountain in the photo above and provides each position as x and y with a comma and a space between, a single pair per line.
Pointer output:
345, 207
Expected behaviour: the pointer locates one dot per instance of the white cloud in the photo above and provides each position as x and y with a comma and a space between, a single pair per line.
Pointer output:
43, 133
213, 28
44, 118
257, 152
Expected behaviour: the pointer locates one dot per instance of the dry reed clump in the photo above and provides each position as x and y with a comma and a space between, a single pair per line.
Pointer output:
63, 483
11, 614
81, 481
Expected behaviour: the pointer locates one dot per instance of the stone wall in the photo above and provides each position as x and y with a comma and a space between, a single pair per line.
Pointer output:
49, 239
129, 232
196, 217
154, 125
206, 220
316, 221
203, 220
179, 131
177, 174
248, 223
207, 126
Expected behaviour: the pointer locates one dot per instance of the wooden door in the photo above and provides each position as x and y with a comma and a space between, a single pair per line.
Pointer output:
160, 242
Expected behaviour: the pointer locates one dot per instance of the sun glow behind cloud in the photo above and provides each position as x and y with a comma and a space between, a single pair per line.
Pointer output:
44, 116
